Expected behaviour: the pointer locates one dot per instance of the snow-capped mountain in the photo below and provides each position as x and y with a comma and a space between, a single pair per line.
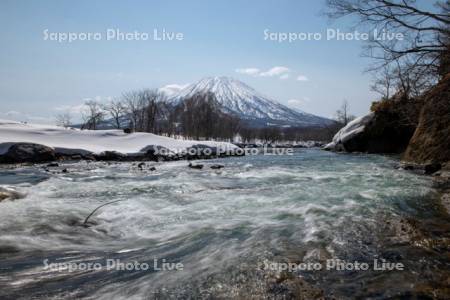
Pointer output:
239, 99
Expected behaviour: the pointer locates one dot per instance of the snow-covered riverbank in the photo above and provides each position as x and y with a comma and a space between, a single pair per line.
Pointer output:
75, 141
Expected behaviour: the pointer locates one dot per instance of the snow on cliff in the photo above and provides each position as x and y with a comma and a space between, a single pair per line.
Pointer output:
350, 131
91, 140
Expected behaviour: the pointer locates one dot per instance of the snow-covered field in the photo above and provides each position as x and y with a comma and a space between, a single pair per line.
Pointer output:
94, 141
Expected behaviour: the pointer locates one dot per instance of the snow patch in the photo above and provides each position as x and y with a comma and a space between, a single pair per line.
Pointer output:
350, 131
70, 140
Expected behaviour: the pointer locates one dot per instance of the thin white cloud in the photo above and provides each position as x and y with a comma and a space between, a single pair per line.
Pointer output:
12, 113
295, 102
302, 78
298, 102
177, 86
275, 71
249, 71
171, 89
99, 99
280, 72
75, 110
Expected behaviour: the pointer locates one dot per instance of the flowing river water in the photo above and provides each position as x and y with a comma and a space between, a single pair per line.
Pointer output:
222, 234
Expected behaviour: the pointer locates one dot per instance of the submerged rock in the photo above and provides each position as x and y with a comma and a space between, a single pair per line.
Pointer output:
199, 166
10, 194
28, 152
217, 166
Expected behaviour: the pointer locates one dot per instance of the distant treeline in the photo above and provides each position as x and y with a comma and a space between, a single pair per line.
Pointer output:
197, 117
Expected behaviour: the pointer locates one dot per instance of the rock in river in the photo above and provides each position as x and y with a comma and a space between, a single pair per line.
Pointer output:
28, 152
7, 193
199, 166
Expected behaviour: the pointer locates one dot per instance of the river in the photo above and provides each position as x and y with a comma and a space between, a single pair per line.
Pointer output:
228, 233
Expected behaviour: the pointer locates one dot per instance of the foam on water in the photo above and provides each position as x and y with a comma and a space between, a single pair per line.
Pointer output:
207, 219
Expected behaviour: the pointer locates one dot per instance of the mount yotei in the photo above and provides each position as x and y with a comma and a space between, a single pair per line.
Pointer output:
238, 99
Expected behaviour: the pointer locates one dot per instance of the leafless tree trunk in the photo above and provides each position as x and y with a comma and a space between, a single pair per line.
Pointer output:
116, 110
342, 114
64, 120
93, 115
132, 107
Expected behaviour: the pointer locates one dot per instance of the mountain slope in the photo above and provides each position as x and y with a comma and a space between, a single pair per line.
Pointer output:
241, 100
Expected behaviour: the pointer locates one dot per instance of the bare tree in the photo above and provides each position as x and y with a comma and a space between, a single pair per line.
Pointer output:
201, 116
424, 46
384, 82
149, 104
116, 110
93, 115
145, 110
63, 119
132, 105
270, 135
342, 114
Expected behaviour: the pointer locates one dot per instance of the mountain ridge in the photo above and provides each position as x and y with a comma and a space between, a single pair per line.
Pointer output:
239, 99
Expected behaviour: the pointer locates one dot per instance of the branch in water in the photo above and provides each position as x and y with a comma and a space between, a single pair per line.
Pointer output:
93, 212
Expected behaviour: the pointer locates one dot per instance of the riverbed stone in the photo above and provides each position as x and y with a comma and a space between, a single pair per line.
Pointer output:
217, 166
110, 156
28, 152
432, 168
10, 194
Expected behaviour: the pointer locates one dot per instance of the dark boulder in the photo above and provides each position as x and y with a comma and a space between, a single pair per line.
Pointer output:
110, 156
199, 166
201, 151
157, 153
217, 167
432, 168
28, 152
73, 154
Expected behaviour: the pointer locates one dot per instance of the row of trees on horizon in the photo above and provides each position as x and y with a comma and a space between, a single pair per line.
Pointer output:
197, 117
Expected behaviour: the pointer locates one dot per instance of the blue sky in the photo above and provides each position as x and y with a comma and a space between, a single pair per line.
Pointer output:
39, 78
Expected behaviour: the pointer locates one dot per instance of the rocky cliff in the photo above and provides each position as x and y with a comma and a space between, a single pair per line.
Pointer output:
418, 128
388, 129
431, 140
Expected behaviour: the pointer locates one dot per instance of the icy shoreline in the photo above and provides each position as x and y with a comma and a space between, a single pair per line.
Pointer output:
20, 140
